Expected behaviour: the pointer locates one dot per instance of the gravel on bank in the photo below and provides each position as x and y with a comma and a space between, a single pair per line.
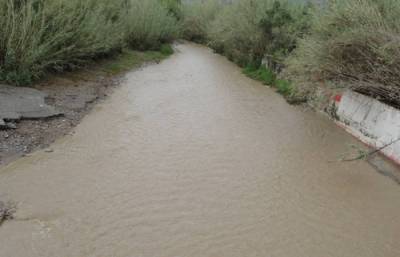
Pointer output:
69, 97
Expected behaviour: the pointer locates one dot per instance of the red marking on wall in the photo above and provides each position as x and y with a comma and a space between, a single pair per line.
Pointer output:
338, 98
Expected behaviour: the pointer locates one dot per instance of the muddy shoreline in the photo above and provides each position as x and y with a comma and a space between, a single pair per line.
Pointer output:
74, 94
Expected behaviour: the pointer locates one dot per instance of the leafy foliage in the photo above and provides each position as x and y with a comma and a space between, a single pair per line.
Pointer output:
149, 25
250, 30
37, 36
355, 43
174, 7
283, 25
351, 43
197, 18
263, 74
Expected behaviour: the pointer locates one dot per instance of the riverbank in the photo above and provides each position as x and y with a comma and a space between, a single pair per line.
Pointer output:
72, 95
192, 158
382, 143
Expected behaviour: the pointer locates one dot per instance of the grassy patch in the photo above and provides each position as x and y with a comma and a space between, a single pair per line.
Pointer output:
268, 77
130, 59
284, 87
166, 50
262, 74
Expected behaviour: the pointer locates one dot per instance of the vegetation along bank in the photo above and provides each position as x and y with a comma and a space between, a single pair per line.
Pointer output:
41, 41
43, 36
311, 48
308, 47
308, 50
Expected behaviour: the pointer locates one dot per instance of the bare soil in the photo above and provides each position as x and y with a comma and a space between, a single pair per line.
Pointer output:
74, 94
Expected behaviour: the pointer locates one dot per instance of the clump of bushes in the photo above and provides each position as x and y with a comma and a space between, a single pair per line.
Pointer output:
283, 25
268, 77
353, 44
237, 32
261, 73
174, 7
256, 34
150, 24
38, 36
250, 30
341, 43
197, 19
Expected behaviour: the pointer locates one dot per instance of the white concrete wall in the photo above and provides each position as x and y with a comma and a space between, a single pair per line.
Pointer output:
371, 121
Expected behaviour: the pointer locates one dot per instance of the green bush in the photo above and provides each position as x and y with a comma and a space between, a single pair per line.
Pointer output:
197, 18
166, 49
268, 77
261, 73
174, 7
250, 30
355, 43
40, 35
283, 25
149, 25
284, 87
236, 31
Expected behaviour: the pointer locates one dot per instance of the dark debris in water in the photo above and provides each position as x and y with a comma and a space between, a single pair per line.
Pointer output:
7, 211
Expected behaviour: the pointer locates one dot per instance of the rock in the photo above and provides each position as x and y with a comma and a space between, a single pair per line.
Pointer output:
7, 125
11, 125
24, 103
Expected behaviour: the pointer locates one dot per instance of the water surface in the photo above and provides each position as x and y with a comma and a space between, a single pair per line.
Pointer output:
189, 158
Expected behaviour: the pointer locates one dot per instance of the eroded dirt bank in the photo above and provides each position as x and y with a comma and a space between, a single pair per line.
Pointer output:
72, 95
191, 158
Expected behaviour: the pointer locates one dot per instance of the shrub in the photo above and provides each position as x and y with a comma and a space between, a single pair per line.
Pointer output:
149, 25
249, 30
268, 77
37, 36
283, 25
236, 31
166, 49
197, 17
284, 87
355, 43
260, 73
174, 7
41, 35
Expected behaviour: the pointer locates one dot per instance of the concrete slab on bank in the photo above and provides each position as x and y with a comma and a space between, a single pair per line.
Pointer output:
373, 122
23, 103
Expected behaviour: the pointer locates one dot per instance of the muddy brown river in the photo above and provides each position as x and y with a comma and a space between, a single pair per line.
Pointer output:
189, 158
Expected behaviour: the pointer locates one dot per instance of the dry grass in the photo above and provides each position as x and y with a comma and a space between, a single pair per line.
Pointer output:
38, 36
353, 44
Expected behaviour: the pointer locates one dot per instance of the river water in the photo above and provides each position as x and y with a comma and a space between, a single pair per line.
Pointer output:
190, 158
